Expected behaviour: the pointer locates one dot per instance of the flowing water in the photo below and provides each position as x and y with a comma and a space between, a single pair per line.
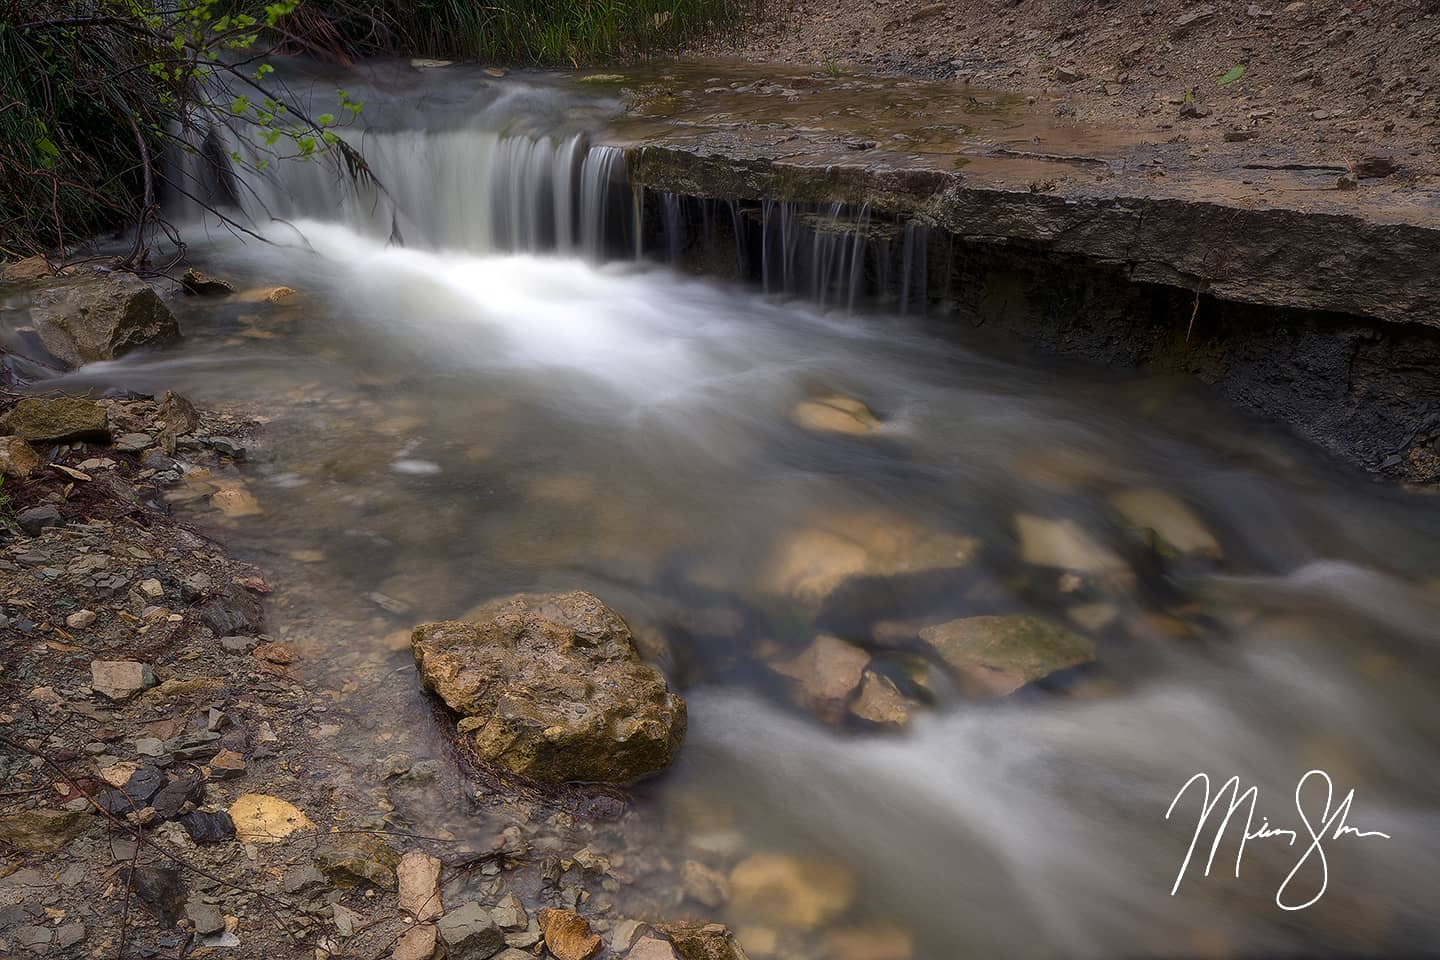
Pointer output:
481, 389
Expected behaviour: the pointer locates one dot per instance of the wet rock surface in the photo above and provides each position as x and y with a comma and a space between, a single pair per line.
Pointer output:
552, 687
102, 318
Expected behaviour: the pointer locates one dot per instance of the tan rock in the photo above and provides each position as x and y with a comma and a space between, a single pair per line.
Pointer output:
997, 655
567, 935
827, 673
419, 875
652, 948
788, 891
17, 458
703, 941
809, 564
80, 619
56, 419
236, 502
550, 686
1178, 528
278, 294
120, 679
881, 702
264, 819
40, 831
417, 943
1050, 542
31, 268
835, 414
705, 886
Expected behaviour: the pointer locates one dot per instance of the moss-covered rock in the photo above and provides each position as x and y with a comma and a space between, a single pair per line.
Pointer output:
997, 655
56, 419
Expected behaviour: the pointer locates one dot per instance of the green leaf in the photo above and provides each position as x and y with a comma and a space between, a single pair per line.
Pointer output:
325, 119
1233, 74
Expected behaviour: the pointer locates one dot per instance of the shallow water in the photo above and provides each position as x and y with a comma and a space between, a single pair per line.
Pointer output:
449, 419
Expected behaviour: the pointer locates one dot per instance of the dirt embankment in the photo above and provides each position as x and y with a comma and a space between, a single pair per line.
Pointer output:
1321, 80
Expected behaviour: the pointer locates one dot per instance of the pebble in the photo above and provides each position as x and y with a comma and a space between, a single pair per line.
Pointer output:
120, 679
80, 619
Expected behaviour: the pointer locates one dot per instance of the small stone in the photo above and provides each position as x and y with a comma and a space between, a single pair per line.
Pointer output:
226, 447
239, 645
1177, 528
235, 611
469, 933
17, 458
80, 619
703, 941
134, 442
265, 819
152, 588
1068, 74
417, 943
419, 878
835, 414
196, 283
205, 917
266, 295
703, 885
35, 519
1191, 18
204, 827
136, 794
828, 671
69, 935
881, 703
652, 948
40, 831
568, 935
510, 913
150, 747
120, 679
174, 795
227, 765
356, 859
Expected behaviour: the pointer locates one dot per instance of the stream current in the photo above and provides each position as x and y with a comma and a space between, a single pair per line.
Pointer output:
480, 388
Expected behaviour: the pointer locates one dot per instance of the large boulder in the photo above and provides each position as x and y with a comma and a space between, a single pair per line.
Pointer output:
101, 318
997, 655
56, 420
551, 687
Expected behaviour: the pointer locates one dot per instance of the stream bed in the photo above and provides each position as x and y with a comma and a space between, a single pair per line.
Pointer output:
479, 389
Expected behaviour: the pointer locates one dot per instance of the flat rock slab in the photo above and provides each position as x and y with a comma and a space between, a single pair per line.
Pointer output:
1244, 223
551, 687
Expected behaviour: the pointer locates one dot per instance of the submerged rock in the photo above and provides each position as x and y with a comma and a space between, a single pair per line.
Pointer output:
1177, 529
102, 319
880, 702
777, 889
826, 674
58, 420
551, 687
811, 563
1062, 543
204, 285
997, 655
835, 414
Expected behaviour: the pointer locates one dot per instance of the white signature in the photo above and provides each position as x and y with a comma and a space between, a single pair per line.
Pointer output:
1330, 825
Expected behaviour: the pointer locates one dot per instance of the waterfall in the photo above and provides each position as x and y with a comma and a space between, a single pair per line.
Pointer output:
490, 185
476, 190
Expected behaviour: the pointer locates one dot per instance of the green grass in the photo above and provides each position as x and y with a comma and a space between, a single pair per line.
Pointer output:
552, 32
